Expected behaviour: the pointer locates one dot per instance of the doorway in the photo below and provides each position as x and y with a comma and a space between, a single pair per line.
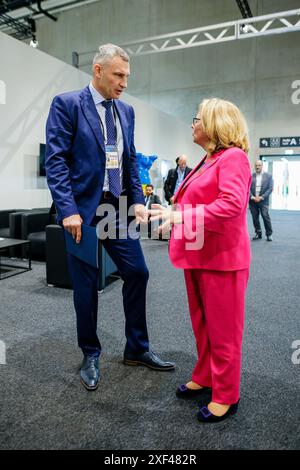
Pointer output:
286, 175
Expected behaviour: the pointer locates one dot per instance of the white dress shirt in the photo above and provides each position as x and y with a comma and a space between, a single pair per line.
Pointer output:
147, 201
258, 183
180, 178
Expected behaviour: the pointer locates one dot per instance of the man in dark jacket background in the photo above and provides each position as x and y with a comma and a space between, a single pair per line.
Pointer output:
261, 188
175, 178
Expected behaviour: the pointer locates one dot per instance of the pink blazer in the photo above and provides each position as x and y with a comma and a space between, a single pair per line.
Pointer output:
216, 199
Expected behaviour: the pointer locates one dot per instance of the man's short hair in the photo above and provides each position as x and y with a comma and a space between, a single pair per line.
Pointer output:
150, 185
107, 52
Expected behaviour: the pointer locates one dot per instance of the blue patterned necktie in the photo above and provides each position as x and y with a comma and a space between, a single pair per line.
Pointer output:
111, 137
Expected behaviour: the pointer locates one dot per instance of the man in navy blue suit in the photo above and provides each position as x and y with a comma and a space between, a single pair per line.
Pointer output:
91, 161
260, 190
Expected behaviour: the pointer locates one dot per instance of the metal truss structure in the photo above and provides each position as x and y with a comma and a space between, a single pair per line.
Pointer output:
20, 30
244, 8
276, 23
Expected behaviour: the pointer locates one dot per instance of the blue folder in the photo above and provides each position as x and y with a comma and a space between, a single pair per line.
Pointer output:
87, 249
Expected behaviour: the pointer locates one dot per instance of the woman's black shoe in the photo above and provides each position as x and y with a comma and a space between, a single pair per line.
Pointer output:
184, 392
205, 416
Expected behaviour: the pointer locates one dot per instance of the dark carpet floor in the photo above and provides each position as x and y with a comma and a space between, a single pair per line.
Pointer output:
44, 406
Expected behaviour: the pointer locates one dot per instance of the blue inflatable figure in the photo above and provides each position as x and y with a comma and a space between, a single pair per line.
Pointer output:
144, 164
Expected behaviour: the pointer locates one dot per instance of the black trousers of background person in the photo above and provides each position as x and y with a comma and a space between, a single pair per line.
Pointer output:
257, 208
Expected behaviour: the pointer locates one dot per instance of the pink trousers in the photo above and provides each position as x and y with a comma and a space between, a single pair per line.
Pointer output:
217, 306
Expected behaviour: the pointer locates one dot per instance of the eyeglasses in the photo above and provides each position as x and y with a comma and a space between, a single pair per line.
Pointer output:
196, 121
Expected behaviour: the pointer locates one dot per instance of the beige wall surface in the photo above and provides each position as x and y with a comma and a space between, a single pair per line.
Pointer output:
29, 79
257, 74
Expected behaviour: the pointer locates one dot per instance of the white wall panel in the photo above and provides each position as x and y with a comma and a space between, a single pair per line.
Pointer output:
29, 79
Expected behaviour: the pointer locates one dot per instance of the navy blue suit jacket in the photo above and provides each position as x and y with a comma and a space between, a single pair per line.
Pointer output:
266, 187
75, 155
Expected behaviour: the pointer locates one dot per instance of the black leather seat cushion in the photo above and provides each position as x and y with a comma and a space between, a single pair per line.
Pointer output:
38, 245
4, 232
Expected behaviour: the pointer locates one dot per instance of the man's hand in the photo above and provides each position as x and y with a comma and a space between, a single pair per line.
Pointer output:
141, 215
257, 198
73, 225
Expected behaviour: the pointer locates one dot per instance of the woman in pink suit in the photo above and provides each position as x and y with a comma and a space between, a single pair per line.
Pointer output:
210, 242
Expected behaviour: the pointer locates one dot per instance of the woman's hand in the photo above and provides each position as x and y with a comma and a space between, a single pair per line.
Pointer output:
168, 215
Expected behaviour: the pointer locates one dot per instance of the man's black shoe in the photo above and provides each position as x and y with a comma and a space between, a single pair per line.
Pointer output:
257, 236
269, 238
148, 359
89, 372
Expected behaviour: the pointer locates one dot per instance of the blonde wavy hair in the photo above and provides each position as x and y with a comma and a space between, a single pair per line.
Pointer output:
224, 125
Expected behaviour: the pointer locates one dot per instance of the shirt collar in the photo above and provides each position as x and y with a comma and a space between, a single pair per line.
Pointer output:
97, 97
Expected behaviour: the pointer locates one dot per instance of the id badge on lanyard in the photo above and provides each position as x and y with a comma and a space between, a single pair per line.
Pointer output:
112, 159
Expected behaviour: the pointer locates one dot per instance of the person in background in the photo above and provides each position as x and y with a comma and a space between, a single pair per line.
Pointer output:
210, 242
261, 188
175, 177
150, 197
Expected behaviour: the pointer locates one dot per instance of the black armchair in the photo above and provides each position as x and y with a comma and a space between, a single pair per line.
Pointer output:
57, 273
4, 221
33, 228
15, 232
15, 221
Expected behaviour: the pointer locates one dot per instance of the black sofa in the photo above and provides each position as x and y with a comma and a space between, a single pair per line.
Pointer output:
4, 221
